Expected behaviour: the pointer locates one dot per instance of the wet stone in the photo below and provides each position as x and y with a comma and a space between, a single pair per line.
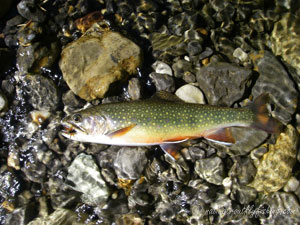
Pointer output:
243, 170
275, 168
194, 48
246, 140
284, 208
189, 77
206, 53
42, 92
162, 67
163, 82
243, 194
180, 67
71, 102
30, 10
134, 89
94, 61
190, 93
211, 170
86, 178
223, 83
3, 103
130, 162
275, 81
10, 184
240, 54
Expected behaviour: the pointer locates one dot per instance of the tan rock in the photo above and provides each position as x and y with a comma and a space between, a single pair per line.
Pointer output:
275, 168
97, 59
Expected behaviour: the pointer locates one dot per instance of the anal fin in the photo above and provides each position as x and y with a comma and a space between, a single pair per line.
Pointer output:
222, 136
172, 150
121, 132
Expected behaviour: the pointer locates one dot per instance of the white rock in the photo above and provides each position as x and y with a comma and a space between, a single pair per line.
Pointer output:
191, 94
161, 67
240, 54
291, 185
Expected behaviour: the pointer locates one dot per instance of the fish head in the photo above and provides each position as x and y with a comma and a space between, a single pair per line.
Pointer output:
81, 126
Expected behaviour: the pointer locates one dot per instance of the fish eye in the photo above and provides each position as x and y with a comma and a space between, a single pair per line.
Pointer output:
76, 117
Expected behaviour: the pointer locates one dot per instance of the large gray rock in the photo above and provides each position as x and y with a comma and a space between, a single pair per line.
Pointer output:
97, 59
275, 81
130, 162
86, 177
223, 83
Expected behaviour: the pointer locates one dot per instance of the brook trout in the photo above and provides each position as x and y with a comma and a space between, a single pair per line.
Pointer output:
164, 120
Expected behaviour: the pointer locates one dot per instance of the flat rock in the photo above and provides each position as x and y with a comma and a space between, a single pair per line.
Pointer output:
86, 177
94, 61
223, 83
275, 168
274, 80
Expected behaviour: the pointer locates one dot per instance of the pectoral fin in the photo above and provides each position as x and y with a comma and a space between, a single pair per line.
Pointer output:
120, 132
172, 150
222, 136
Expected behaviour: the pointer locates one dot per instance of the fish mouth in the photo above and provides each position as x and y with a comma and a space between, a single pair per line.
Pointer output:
71, 129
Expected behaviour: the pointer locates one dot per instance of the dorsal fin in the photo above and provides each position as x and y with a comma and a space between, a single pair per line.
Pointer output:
164, 95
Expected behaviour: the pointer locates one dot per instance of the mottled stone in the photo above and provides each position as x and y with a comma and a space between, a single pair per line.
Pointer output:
223, 83
285, 35
130, 162
240, 54
163, 82
86, 177
94, 61
180, 67
190, 93
274, 80
134, 89
211, 170
283, 208
275, 168
243, 170
42, 92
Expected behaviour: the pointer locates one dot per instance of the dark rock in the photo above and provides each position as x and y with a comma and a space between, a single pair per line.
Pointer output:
243, 170
223, 83
206, 53
42, 92
10, 184
130, 162
180, 67
163, 82
275, 81
181, 22
211, 170
243, 194
30, 10
194, 47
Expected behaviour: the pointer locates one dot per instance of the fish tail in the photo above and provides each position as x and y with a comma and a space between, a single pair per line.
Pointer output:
262, 120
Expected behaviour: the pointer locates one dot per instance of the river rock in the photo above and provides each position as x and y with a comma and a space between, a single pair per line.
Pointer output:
275, 168
274, 80
97, 59
283, 44
223, 83
211, 170
134, 89
31, 11
283, 208
86, 177
162, 67
162, 82
42, 92
130, 162
190, 93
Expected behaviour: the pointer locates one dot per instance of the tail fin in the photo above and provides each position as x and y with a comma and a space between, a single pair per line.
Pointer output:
262, 120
